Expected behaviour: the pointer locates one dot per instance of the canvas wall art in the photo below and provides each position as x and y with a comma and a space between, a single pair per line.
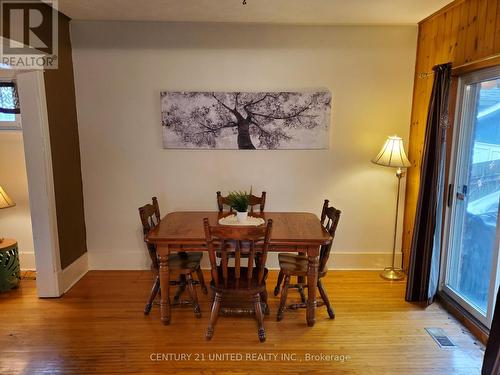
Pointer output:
246, 120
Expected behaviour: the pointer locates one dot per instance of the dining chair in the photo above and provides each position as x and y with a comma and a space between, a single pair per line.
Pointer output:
183, 263
297, 265
253, 201
237, 283
290, 257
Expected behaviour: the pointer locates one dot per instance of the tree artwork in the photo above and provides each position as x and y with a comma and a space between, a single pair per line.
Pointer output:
247, 121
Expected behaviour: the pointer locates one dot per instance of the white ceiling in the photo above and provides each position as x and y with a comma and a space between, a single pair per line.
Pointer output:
307, 12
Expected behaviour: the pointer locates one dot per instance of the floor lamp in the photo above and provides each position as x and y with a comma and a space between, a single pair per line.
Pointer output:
393, 155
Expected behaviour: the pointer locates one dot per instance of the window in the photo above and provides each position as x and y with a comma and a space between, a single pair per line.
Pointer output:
9, 106
471, 272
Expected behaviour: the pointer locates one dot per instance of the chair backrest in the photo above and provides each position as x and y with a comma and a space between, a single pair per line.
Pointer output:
253, 201
150, 217
330, 217
226, 239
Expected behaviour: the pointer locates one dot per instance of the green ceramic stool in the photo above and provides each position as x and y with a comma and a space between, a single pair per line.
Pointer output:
10, 273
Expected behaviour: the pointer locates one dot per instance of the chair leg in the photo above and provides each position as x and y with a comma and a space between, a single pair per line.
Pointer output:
201, 279
300, 288
260, 318
263, 297
326, 301
152, 296
194, 297
180, 289
214, 315
284, 293
278, 283
212, 298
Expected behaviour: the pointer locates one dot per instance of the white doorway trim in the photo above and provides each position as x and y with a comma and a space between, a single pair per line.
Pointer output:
31, 87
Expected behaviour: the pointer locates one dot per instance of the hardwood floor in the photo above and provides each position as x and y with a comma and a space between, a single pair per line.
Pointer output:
98, 327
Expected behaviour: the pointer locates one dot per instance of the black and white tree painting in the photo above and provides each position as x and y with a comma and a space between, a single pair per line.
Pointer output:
243, 120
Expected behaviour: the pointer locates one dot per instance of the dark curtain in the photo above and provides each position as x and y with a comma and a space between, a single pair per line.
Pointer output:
491, 362
9, 100
423, 272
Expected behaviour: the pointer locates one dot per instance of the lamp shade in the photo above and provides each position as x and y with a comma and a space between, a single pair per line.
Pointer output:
5, 200
392, 154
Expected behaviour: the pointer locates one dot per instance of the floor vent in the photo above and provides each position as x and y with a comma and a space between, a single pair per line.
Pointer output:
440, 337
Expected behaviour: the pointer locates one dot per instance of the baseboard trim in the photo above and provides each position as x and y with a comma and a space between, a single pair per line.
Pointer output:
73, 273
370, 261
339, 260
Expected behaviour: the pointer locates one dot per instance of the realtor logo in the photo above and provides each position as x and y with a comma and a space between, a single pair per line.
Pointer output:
29, 34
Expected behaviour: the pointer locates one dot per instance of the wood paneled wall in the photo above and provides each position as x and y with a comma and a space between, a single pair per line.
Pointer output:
462, 32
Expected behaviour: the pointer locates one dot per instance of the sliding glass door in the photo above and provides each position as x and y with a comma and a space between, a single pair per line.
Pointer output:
470, 266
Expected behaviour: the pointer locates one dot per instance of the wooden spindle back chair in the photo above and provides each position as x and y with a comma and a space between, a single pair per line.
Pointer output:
184, 263
253, 201
249, 281
150, 218
330, 217
297, 265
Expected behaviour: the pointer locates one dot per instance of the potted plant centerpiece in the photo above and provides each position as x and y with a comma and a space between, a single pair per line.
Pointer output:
239, 200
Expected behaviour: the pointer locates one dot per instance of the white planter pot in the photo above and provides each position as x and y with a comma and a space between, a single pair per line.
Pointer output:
241, 216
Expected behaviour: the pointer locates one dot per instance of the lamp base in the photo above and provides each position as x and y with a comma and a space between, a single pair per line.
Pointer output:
391, 273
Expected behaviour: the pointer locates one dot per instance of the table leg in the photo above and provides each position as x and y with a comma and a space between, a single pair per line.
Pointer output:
163, 254
312, 280
301, 279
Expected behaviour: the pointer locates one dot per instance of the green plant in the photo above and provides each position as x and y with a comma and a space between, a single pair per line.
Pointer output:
239, 200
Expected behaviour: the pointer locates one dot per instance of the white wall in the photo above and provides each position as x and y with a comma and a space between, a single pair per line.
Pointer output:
121, 67
15, 222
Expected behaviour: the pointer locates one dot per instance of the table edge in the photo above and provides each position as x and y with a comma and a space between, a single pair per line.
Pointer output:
199, 241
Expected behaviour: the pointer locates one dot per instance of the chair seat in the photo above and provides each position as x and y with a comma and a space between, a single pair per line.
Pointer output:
296, 265
194, 256
243, 287
290, 257
183, 262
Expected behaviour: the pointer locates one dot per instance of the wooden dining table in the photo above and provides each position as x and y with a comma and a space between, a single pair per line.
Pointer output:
291, 232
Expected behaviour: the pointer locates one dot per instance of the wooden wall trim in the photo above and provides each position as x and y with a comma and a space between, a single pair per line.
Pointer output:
486, 62
446, 8
463, 32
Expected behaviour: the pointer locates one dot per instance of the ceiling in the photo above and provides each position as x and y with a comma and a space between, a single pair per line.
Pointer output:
306, 12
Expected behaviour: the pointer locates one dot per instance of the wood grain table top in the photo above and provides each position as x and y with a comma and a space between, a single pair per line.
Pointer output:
289, 228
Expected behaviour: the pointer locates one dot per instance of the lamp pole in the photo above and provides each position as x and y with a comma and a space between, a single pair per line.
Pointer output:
391, 273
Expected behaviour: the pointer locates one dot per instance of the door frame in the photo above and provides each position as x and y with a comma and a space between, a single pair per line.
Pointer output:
36, 137
455, 159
